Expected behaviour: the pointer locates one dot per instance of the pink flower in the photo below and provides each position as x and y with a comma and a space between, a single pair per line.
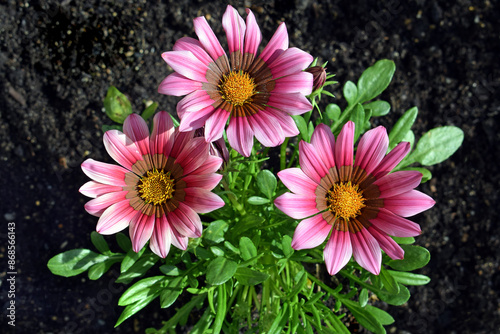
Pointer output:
163, 182
359, 202
256, 94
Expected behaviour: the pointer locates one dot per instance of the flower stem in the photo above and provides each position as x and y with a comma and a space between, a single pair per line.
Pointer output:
283, 154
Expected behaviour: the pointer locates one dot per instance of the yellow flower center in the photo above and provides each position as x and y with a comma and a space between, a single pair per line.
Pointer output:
237, 88
156, 187
345, 200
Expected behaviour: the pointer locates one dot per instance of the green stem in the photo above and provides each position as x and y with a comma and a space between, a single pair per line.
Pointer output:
283, 154
233, 199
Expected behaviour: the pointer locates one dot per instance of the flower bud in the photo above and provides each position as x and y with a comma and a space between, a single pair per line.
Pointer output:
319, 76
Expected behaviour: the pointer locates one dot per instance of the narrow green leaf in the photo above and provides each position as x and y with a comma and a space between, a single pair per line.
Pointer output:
266, 181
409, 278
256, 200
138, 269
333, 111
117, 105
74, 262
99, 269
247, 276
220, 315
286, 242
388, 281
132, 309
130, 259
358, 117
217, 251
398, 299
149, 111
99, 242
280, 321
375, 80
363, 297
124, 242
214, 233
302, 126
402, 126
381, 315
350, 92
220, 270
415, 257
404, 240
247, 248
437, 145
170, 270
378, 108
365, 318
172, 291
140, 290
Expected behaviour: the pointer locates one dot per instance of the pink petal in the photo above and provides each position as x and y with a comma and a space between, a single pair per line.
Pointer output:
394, 225
297, 206
293, 104
366, 251
207, 38
409, 204
186, 221
311, 163
267, 132
116, 218
191, 121
371, 149
398, 183
338, 251
161, 237
178, 85
300, 82
297, 181
193, 102
121, 148
98, 205
253, 36
388, 245
195, 47
215, 124
344, 147
211, 165
285, 121
94, 189
135, 128
202, 200
162, 138
291, 61
181, 139
193, 155
323, 141
205, 181
392, 159
105, 173
310, 233
240, 135
276, 46
178, 240
186, 64
141, 229
234, 26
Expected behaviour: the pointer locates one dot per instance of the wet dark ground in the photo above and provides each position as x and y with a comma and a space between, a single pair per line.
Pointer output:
57, 60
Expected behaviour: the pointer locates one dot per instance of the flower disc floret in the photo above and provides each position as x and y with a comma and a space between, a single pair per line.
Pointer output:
156, 187
237, 88
345, 200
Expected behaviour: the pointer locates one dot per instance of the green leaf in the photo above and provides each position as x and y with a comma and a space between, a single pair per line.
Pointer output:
99, 269
141, 290
286, 242
381, 315
124, 242
132, 309
214, 233
130, 259
402, 126
333, 111
170, 270
398, 299
302, 126
172, 291
365, 318
247, 248
256, 200
117, 105
138, 269
437, 145
350, 92
404, 240
217, 251
74, 262
358, 117
98, 240
409, 278
426, 174
378, 108
149, 111
363, 297
220, 270
388, 281
415, 257
375, 80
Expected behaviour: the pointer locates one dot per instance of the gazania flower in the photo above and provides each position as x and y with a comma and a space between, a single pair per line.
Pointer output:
256, 93
358, 203
163, 182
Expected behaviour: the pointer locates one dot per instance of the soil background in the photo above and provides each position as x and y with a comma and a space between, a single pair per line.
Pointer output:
57, 59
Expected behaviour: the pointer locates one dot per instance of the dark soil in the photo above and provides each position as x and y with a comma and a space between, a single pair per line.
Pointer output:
57, 60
